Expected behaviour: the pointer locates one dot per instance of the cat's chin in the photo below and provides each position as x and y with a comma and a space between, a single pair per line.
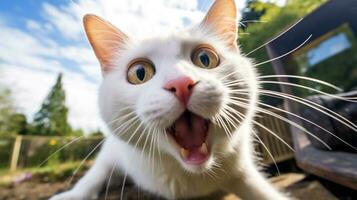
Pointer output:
189, 132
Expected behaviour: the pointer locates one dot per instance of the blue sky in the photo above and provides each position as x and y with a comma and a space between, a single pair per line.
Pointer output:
39, 39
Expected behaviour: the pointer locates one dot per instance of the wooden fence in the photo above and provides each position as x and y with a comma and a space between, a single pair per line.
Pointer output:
278, 150
30, 151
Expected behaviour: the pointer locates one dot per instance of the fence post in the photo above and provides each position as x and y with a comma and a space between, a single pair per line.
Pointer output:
15, 153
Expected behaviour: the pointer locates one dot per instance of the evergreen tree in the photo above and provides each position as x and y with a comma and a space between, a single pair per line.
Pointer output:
51, 119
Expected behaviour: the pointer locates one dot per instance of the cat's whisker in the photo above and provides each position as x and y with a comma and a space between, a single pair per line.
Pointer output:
285, 120
157, 143
146, 139
217, 165
307, 103
308, 88
120, 130
84, 160
260, 109
141, 135
123, 130
241, 116
59, 149
293, 123
278, 36
242, 104
273, 59
120, 118
127, 121
134, 133
151, 152
303, 78
239, 81
314, 105
277, 58
274, 134
123, 186
269, 153
224, 126
229, 117
109, 180
242, 24
213, 173
308, 121
117, 116
209, 173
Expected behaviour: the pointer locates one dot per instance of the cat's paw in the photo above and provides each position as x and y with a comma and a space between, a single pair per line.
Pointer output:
73, 195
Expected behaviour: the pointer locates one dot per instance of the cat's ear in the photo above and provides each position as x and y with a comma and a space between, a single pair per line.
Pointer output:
222, 18
105, 39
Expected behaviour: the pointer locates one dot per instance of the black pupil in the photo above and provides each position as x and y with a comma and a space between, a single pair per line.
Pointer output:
204, 58
140, 72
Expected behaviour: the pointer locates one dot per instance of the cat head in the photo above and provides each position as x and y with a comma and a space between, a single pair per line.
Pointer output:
178, 94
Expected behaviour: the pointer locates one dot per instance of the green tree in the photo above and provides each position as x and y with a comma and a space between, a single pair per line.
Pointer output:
18, 124
11, 121
51, 119
7, 109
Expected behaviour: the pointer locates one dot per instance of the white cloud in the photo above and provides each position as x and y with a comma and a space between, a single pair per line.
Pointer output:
65, 22
134, 17
33, 25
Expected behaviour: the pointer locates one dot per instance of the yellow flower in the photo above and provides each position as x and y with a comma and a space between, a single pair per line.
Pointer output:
53, 142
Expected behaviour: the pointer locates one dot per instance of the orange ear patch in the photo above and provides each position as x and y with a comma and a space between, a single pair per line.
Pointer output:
104, 38
222, 17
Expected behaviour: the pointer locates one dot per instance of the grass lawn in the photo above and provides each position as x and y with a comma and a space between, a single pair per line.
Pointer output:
49, 173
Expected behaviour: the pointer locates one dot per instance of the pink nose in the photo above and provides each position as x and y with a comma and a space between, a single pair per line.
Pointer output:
181, 87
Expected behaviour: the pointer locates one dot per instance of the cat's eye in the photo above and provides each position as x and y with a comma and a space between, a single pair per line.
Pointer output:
140, 70
205, 56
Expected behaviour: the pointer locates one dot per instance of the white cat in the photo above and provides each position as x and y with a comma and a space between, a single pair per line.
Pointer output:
169, 102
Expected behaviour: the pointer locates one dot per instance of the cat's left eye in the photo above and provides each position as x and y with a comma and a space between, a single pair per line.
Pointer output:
205, 56
140, 71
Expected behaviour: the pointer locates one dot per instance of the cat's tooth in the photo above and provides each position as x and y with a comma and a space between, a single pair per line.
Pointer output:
184, 152
203, 149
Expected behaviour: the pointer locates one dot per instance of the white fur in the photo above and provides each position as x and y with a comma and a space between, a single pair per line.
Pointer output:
231, 166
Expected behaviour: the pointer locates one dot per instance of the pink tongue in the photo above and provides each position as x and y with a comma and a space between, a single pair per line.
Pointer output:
195, 157
190, 131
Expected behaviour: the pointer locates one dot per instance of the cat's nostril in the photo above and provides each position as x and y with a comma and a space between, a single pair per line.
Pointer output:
181, 87
190, 87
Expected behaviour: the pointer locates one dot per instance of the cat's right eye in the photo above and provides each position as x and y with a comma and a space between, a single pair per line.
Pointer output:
205, 56
140, 71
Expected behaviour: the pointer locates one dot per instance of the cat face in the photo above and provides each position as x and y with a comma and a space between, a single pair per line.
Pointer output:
173, 95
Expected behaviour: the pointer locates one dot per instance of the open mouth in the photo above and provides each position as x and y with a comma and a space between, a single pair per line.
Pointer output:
190, 133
